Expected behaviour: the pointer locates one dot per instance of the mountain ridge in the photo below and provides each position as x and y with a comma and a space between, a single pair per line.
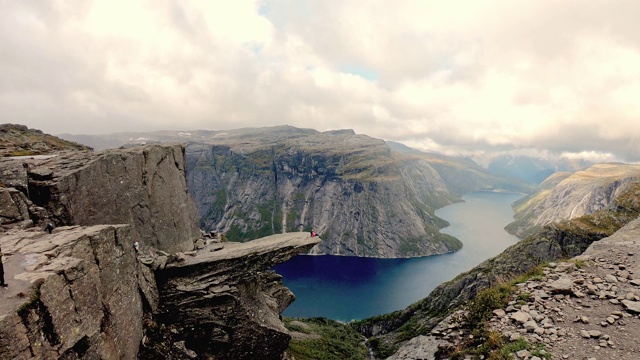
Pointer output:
338, 182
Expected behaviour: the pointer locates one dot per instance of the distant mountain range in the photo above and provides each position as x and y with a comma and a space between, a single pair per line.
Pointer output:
533, 170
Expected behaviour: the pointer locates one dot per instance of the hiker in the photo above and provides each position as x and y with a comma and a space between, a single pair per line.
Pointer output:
313, 233
2, 283
135, 246
49, 228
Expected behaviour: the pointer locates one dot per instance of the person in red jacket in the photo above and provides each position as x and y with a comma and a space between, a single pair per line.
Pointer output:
313, 233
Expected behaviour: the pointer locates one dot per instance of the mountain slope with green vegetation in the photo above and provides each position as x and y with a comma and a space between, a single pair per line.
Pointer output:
362, 198
19, 140
559, 240
565, 196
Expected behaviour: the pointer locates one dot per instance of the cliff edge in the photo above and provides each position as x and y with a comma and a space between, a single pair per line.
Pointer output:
142, 186
83, 290
364, 199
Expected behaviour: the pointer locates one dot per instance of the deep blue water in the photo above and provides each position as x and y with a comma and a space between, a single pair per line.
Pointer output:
348, 288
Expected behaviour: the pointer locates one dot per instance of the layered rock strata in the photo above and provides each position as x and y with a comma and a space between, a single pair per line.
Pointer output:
220, 311
144, 187
565, 196
72, 294
363, 199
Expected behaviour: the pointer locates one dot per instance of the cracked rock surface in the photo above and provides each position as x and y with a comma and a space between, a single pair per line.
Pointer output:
222, 311
72, 294
144, 187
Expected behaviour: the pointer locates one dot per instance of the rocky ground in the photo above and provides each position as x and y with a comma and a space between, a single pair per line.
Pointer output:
586, 308
586, 313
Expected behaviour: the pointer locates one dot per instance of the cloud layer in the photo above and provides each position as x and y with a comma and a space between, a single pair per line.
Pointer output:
460, 76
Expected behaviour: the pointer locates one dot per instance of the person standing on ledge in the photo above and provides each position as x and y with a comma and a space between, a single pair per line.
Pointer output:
313, 233
49, 228
2, 283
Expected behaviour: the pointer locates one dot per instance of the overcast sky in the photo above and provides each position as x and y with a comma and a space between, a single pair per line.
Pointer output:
559, 76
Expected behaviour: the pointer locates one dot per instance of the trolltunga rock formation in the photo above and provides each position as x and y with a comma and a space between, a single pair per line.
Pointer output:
81, 291
206, 297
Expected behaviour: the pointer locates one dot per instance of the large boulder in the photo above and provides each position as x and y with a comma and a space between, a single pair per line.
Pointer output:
13, 206
72, 294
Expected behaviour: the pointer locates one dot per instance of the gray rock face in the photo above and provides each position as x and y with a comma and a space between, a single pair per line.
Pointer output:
420, 347
82, 294
225, 313
360, 197
561, 286
13, 206
566, 196
144, 187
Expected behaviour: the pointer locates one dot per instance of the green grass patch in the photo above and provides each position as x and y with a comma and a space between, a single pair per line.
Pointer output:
491, 345
325, 339
480, 309
535, 274
579, 263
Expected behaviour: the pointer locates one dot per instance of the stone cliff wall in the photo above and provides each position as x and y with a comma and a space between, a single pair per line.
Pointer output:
362, 200
72, 294
144, 187
83, 292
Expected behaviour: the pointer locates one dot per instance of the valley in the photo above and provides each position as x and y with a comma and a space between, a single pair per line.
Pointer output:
353, 288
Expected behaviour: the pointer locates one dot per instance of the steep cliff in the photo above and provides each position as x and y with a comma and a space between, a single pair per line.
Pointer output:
220, 311
361, 197
143, 186
86, 292
564, 196
364, 196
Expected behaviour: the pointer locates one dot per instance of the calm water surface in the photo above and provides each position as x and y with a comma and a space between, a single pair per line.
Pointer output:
348, 288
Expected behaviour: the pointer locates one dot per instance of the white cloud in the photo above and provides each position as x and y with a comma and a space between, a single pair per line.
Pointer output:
454, 76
